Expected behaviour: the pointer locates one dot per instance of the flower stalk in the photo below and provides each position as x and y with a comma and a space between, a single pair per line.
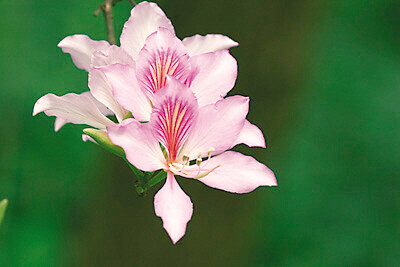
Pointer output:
106, 8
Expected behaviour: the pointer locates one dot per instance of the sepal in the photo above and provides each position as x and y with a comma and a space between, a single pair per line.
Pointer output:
102, 139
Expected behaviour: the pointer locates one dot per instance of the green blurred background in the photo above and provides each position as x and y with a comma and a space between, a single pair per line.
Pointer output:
324, 82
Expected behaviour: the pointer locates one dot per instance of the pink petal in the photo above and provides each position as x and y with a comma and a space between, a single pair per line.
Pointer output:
102, 90
59, 122
139, 144
198, 44
126, 90
98, 84
215, 76
251, 135
81, 48
86, 138
174, 114
144, 20
163, 54
174, 207
78, 109
112, 55
236, 173
218, 126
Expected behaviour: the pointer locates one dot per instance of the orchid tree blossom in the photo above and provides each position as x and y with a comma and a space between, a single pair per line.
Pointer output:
185, 139
210, 76
90, 55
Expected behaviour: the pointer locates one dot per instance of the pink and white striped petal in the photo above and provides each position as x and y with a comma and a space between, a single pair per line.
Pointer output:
81, 48
217, 127
214, 76
174, 114
174, 207
145, 19
140, 146
198, 44
163, 54
127, 91
78, 109
233, 172
251, 135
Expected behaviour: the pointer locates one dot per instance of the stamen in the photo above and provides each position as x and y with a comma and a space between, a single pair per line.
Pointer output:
206, 173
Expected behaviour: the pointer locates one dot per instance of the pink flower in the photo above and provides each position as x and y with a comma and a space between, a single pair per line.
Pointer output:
92, 107
191, 141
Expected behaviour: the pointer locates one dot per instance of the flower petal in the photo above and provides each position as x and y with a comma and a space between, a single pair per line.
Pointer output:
102, 90
174, 207
127, 91
98, 84
112, 55
174, 114
215, 75
163, 54
236, 173
251, 135
78, 109
60, 122
218, 126
139, 144
198, 44
144, 20
81, 48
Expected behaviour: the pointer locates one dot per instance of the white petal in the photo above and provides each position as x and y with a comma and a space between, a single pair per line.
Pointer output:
78, 109
251, 135
81, 48
174, 207
144, 20
198, 44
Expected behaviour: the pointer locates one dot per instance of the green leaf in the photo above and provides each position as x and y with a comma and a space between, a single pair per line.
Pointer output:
3, 206
102, 139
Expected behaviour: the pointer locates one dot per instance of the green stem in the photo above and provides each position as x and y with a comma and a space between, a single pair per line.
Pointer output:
157, 178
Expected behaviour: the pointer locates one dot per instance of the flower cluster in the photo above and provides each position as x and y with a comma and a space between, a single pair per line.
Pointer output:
168, 97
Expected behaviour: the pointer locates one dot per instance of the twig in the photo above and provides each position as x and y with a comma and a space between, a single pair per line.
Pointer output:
106, 8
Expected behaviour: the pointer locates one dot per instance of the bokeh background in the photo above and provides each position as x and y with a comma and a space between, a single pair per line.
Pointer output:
324, 82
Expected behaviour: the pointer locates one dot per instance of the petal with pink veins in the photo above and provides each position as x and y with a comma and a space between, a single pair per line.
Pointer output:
174, 207
78, 109
127, 91
217, 127
251, 135
163, 54
81, 48
139, 144
234, 172
174, 114
214, 76
145, 19
198, 44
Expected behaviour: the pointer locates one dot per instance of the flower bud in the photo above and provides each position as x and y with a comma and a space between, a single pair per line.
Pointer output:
102, 139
